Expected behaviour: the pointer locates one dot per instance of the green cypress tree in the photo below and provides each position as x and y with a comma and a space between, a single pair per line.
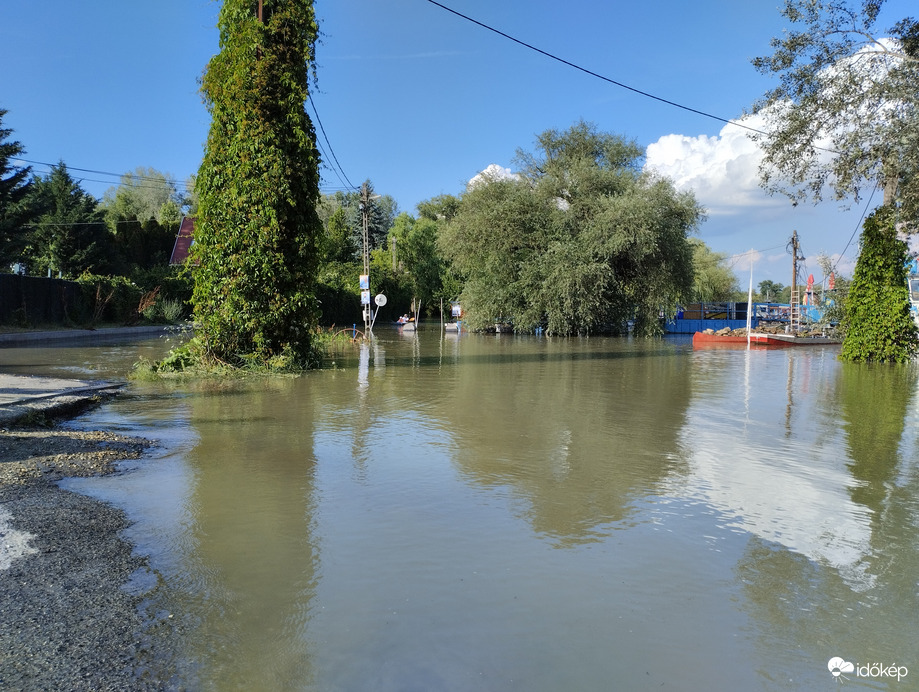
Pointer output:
878, 323
257, 230
14, 187
68, 234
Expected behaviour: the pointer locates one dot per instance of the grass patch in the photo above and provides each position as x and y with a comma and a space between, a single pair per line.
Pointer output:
193, 360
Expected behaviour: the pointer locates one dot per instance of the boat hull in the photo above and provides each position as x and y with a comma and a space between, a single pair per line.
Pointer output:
758, 340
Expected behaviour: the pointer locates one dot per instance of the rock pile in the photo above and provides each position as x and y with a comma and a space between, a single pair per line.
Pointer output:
768, 329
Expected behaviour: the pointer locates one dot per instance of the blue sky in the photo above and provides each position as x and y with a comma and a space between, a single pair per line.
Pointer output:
419, 100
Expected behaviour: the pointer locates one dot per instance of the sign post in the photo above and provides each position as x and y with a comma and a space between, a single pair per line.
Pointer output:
380, 301
365, 300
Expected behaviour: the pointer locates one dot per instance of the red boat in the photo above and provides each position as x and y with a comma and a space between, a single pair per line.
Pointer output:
758, 340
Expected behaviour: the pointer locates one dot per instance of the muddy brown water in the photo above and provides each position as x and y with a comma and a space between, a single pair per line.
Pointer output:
522, 513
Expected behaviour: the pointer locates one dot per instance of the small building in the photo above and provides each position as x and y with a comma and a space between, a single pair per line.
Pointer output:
697, 317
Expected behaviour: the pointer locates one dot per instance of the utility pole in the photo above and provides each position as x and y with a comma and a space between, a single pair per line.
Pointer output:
367, 198
260, 15
795, 299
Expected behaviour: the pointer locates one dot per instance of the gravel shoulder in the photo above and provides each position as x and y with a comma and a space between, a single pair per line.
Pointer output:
68, 620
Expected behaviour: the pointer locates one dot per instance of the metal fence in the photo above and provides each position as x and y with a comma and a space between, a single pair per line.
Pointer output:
33, 300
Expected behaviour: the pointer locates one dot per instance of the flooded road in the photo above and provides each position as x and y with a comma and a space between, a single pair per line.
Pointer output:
494, 512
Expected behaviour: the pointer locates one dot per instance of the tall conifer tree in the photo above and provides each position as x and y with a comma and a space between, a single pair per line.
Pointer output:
257, 228
14, 186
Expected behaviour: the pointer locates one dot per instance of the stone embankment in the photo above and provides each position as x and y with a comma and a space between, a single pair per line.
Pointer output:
69, 623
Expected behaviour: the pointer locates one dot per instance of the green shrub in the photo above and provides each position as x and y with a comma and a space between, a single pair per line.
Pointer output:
110, 299
174, 282
193, 360
173, 311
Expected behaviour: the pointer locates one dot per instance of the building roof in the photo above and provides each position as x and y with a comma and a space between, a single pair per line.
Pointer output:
184, 241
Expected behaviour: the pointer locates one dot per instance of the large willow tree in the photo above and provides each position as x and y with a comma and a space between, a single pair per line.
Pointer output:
257, 228
579, 241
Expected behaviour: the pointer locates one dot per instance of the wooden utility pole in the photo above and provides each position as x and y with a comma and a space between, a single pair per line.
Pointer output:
260, 15
795, 299
366, 198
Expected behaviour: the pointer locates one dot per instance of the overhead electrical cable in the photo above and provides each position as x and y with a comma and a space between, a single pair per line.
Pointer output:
646, 94
857, 226
136, 176
591, 72
48, 224
324, 162
159, 186
329, 144
735, 258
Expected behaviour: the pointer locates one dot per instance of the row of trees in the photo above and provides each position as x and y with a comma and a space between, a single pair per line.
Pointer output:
580, 240
49, 225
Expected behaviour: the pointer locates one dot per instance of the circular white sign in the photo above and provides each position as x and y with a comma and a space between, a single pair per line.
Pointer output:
379, 299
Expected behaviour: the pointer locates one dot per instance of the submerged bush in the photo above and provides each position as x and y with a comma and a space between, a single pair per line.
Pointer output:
113, 299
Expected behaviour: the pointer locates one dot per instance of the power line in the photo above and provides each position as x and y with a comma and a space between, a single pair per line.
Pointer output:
857, 226
754, 252
309, 98
136, 176
326, 165
595, 74
83, 223
735, 258
646, 94
160, 183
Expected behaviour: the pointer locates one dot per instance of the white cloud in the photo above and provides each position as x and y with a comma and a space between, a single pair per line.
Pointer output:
741, 261
492, 172
722, 171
